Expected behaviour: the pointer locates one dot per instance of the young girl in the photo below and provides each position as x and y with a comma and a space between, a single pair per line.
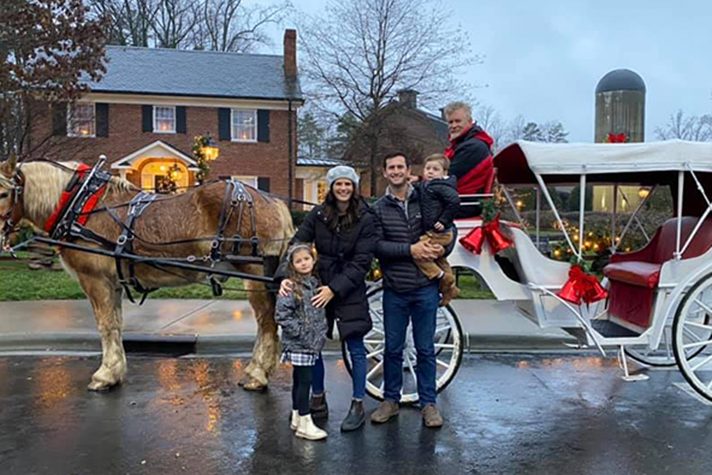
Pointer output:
303, 335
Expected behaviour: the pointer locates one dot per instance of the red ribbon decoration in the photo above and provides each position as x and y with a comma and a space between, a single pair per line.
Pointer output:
617, 138
582, 287
490, 231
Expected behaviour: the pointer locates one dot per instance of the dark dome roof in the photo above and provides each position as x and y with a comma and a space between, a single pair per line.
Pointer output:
620, 80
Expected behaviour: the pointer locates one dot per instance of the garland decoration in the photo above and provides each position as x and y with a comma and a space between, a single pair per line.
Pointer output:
199, 144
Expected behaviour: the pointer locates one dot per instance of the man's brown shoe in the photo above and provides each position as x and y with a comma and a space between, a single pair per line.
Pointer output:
431, 416
384, 412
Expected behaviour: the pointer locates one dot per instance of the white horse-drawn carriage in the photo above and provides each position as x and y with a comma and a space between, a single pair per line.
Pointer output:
659, 303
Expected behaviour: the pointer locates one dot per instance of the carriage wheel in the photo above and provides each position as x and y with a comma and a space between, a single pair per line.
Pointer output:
661, 357
692, 336
448, 351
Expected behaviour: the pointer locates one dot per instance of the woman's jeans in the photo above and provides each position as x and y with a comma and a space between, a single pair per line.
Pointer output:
357, 352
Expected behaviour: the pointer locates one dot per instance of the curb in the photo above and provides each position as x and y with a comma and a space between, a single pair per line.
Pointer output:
183, 344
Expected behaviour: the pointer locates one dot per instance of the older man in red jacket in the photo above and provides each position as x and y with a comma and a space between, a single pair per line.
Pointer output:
470, 155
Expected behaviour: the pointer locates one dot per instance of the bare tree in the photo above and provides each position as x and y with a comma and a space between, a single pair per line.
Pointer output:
232, 25
359, 53
490, 120
131, 22
694, 128
47, 46
219, 25
174, 22
513, 131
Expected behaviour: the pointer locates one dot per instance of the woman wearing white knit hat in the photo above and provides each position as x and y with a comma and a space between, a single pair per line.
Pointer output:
343, 230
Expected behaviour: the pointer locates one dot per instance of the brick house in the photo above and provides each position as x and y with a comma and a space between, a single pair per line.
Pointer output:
405, 128
147, 109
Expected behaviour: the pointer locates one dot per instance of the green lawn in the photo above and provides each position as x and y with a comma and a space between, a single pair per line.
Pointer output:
18, 282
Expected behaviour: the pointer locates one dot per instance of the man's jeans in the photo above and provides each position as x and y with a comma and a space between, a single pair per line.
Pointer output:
421, 307
357, 351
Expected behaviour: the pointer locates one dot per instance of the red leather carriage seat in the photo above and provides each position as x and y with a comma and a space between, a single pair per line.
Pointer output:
642, 267
634, 276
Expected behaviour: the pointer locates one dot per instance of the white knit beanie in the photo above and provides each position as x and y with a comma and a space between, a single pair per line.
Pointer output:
342, 171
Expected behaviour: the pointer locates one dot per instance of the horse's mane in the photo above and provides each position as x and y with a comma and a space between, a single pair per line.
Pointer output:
45, 182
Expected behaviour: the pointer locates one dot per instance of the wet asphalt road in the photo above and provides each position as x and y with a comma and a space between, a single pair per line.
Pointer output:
504, 414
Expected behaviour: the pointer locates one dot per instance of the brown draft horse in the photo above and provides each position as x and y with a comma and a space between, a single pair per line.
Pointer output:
186, 216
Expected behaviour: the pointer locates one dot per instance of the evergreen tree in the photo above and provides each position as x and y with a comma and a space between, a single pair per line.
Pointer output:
311, 136
554, 132
532, 132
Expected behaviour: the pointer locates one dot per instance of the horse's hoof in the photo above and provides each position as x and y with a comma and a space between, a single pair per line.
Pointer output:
99, 386
251, 384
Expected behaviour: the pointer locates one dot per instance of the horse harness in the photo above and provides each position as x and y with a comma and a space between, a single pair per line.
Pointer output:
82, 194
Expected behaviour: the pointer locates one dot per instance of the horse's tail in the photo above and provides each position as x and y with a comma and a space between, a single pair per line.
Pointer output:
287, 228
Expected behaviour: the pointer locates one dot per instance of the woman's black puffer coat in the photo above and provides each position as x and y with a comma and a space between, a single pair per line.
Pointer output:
345, 257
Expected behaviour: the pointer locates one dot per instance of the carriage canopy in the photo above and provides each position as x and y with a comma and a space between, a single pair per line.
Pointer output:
649, 162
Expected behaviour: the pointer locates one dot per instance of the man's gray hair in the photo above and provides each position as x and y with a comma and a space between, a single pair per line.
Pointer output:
457, 105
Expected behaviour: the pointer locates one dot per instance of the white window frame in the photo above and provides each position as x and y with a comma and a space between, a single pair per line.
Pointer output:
247, 180
155, 120
71, 126
233, 135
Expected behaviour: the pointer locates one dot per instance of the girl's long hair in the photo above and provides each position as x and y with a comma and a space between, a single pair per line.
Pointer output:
331, 211
292, 273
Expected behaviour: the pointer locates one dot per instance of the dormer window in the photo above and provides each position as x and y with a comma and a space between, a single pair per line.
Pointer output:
81, 120
164, 120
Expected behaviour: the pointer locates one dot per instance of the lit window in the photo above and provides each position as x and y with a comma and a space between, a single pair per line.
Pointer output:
164, 120
80, 120
244, 125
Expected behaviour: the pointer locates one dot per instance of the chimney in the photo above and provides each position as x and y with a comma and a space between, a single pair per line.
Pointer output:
408, 97
290, 53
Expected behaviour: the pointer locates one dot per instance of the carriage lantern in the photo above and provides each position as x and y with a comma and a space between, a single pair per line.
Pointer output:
210, 150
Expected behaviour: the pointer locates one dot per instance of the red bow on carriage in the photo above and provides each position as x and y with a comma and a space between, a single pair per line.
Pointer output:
491, 232
582, 287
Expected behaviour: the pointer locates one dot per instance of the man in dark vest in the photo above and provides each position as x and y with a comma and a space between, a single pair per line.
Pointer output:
470, 155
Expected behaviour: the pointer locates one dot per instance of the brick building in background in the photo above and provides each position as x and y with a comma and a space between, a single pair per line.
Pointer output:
404, 127
145, 112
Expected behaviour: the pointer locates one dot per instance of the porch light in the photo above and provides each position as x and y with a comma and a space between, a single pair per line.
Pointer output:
210, 150
643, 193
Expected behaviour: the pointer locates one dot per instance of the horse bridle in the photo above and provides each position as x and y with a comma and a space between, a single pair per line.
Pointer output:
15, 214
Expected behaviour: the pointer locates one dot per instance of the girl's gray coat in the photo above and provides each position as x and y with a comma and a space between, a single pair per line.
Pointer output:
303, 325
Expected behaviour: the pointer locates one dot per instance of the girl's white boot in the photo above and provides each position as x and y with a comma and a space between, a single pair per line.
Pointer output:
294, 423
306, 429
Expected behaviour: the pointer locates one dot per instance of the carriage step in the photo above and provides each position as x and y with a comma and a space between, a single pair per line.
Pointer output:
172, 345
608, 328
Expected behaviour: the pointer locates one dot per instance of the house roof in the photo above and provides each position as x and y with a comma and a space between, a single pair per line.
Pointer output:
157, 149
156, 71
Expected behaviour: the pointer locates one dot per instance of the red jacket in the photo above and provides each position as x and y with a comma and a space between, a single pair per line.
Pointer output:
471, 160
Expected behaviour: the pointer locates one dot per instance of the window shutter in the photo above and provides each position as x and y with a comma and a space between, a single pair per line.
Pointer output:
224, 123
263, 183
59, 118
102, 119
180, 120
147, 118
262, 125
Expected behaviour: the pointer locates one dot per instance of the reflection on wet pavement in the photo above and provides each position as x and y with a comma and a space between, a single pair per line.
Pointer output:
504, 414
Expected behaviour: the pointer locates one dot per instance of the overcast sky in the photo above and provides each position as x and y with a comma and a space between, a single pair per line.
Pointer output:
544, 58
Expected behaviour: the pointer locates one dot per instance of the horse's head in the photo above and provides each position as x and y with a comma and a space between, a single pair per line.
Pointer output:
11, 188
